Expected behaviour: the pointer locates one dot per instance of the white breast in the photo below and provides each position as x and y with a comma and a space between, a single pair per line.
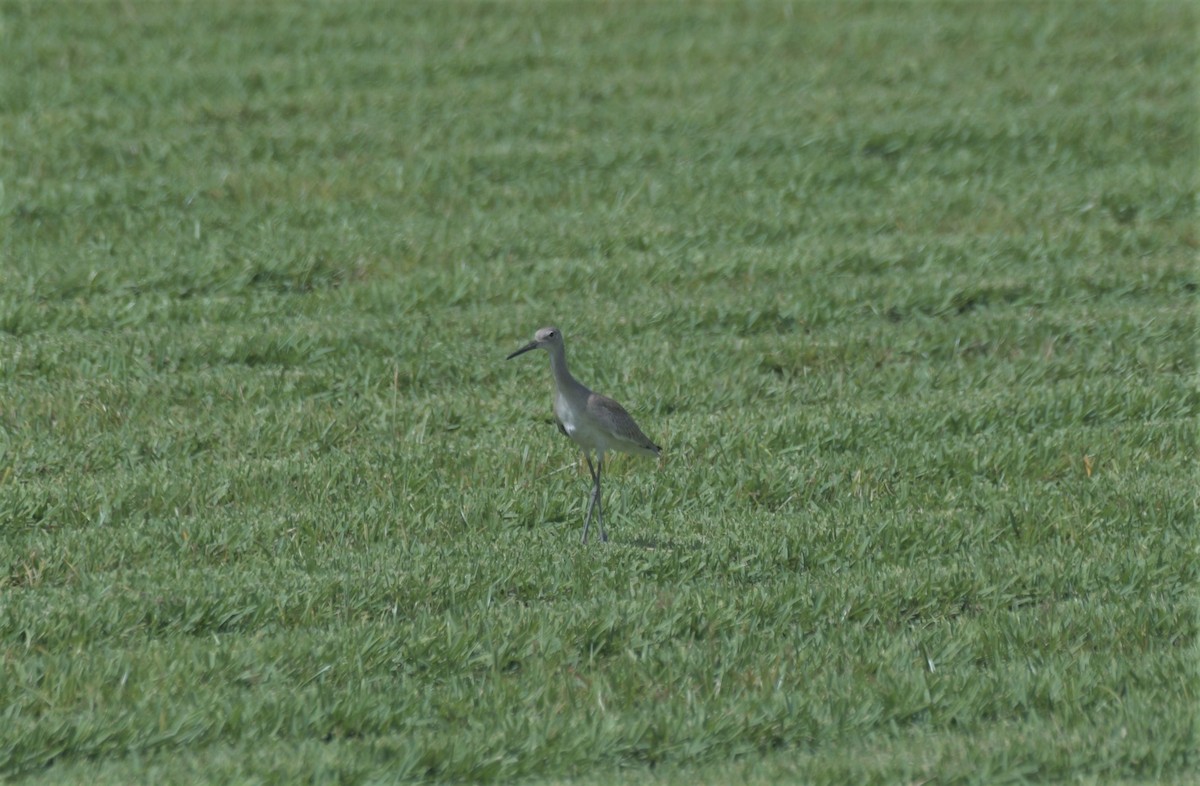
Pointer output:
582, 430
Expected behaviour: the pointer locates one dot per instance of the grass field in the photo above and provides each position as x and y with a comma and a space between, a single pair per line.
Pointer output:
905, 290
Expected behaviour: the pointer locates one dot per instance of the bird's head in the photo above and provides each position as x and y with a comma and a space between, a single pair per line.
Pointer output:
548, 338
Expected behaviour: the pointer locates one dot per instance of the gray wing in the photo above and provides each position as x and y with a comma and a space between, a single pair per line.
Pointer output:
621, 424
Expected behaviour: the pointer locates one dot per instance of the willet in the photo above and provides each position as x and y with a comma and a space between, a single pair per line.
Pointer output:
593, 422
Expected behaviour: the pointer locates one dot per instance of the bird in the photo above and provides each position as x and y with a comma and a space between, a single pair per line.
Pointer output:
595, 423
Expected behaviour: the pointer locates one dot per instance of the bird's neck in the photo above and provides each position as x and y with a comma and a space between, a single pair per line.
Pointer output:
562, 377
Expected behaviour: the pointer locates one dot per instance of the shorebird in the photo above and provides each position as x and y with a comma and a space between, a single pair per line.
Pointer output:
595, 423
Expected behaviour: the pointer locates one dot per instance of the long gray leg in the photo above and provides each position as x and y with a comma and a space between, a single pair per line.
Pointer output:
599, 504
595, 497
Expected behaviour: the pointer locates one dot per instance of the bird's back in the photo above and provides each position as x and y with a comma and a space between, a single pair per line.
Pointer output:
620, 428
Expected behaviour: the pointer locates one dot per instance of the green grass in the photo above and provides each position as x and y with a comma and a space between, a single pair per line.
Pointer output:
905, 290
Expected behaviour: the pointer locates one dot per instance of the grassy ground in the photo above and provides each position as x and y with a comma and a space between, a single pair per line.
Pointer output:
906, 292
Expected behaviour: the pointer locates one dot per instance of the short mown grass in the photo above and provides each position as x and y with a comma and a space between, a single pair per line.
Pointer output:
906, 291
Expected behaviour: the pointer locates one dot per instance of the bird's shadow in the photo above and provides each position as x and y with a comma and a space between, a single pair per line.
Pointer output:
664, 544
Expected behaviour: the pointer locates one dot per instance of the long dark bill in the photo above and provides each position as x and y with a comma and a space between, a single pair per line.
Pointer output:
523, 350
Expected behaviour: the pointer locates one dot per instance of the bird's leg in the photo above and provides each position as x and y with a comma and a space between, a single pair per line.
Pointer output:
599, 504
595, 496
